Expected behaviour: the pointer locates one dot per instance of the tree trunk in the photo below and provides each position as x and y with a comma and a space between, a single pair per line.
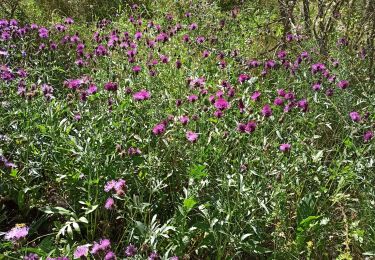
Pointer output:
306, 16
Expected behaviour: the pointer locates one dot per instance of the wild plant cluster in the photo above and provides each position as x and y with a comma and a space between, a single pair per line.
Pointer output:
163, 138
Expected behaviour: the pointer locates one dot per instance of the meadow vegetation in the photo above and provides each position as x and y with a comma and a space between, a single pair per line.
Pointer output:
187, 129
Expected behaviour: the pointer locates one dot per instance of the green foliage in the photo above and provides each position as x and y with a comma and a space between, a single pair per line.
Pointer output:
227, 194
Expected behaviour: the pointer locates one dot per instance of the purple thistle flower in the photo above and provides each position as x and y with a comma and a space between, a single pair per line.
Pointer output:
95, 248
153, 256
282, 54
241, 127
343, 84
77, 117
192, 98
200, 40
205, 53
101, 51
120, 186
17, 233
109, 185
43, 32
110, 256
130, 250
290, 96
193, 26
9, 164
138, 35
242, 78
185, 38
105, 244
73, 83
355, 116
367, 136
184, 120
111, 86
81, 251
60, 27
285, 147
109, 203
253, 63
133, 151
141, 95
178, 64
281, 92
256, 96
317, 68
191, 136
303, 104
266, 111
92, 89
159, 129
68, 20
329, 92
250, 126
164, 58
316, 86
278, 101
178, 102
270, 64
174, 258
136, 69
218, 113
221, 104
31, 256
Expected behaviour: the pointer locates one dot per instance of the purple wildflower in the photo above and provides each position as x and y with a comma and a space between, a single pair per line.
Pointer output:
191, 136
81, 251
281, 92
141, 95
138, 35
242, 78
255, 96
184, 120
266, 111
43, 32
178, 64
250, 126
367, 136
329, 92
278, 101
31, 256
110, 256
303, 105
193, 26
69, 20
130, 250
192, 98
218, 113
17, 233
355, 116
316, 86
158, 129
137, 69
343, 84
153, 256
221, 104
111, 86
92, 89
109, 203
285, 147
101, 51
